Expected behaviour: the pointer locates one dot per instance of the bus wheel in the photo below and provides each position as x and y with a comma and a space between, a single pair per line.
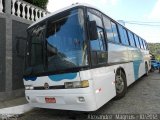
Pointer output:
121, 84
146, 69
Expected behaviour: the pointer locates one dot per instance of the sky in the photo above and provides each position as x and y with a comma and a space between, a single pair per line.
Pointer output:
140, 16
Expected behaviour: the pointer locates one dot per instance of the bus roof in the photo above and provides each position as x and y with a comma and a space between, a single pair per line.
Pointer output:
61, 10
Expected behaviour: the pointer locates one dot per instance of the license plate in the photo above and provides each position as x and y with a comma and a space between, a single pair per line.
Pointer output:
50, 100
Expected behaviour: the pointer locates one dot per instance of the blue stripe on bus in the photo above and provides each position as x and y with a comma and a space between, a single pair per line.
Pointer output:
136, 65
60, 77
30, 78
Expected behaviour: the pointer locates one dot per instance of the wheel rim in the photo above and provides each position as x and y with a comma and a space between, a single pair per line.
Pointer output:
119, 84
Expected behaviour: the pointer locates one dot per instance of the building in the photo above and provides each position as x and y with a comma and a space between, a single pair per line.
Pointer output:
15, 17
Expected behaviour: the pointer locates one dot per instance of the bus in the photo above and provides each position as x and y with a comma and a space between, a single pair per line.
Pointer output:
78, 59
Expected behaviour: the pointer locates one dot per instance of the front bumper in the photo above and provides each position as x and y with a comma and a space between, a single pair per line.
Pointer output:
66, 99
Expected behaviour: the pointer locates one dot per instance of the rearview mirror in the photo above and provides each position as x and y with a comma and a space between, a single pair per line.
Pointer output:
93, 30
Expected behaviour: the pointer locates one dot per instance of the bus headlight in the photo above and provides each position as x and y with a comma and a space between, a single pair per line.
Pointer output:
29, 87
77, 84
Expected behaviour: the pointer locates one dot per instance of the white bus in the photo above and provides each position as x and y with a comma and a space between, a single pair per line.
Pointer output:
78, 58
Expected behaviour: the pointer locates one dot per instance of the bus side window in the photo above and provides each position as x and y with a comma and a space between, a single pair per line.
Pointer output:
111, 30
123, 35
131, 39
115, 32
108, 29
140, 41
144, 44
137, 41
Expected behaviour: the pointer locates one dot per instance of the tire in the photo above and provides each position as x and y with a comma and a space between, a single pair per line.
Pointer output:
121, 84
146, 69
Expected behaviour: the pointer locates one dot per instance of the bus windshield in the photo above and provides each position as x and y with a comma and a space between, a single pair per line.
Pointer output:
57, 46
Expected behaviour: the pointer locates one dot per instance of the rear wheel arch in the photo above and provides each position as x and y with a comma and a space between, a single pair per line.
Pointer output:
122, 69
120, 72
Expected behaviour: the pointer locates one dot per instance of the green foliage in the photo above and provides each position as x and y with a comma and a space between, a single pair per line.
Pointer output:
39, 3
155, 50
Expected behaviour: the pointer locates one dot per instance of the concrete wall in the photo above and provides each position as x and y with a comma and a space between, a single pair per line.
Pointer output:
2, 54
12, 45
19, 37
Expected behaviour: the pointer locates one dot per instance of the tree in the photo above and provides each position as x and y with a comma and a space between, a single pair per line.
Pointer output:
155, 50
40, 3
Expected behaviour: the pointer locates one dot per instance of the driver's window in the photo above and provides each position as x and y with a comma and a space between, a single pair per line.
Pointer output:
98, 47
98, 44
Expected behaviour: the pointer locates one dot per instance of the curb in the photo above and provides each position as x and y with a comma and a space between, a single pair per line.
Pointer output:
15, 110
